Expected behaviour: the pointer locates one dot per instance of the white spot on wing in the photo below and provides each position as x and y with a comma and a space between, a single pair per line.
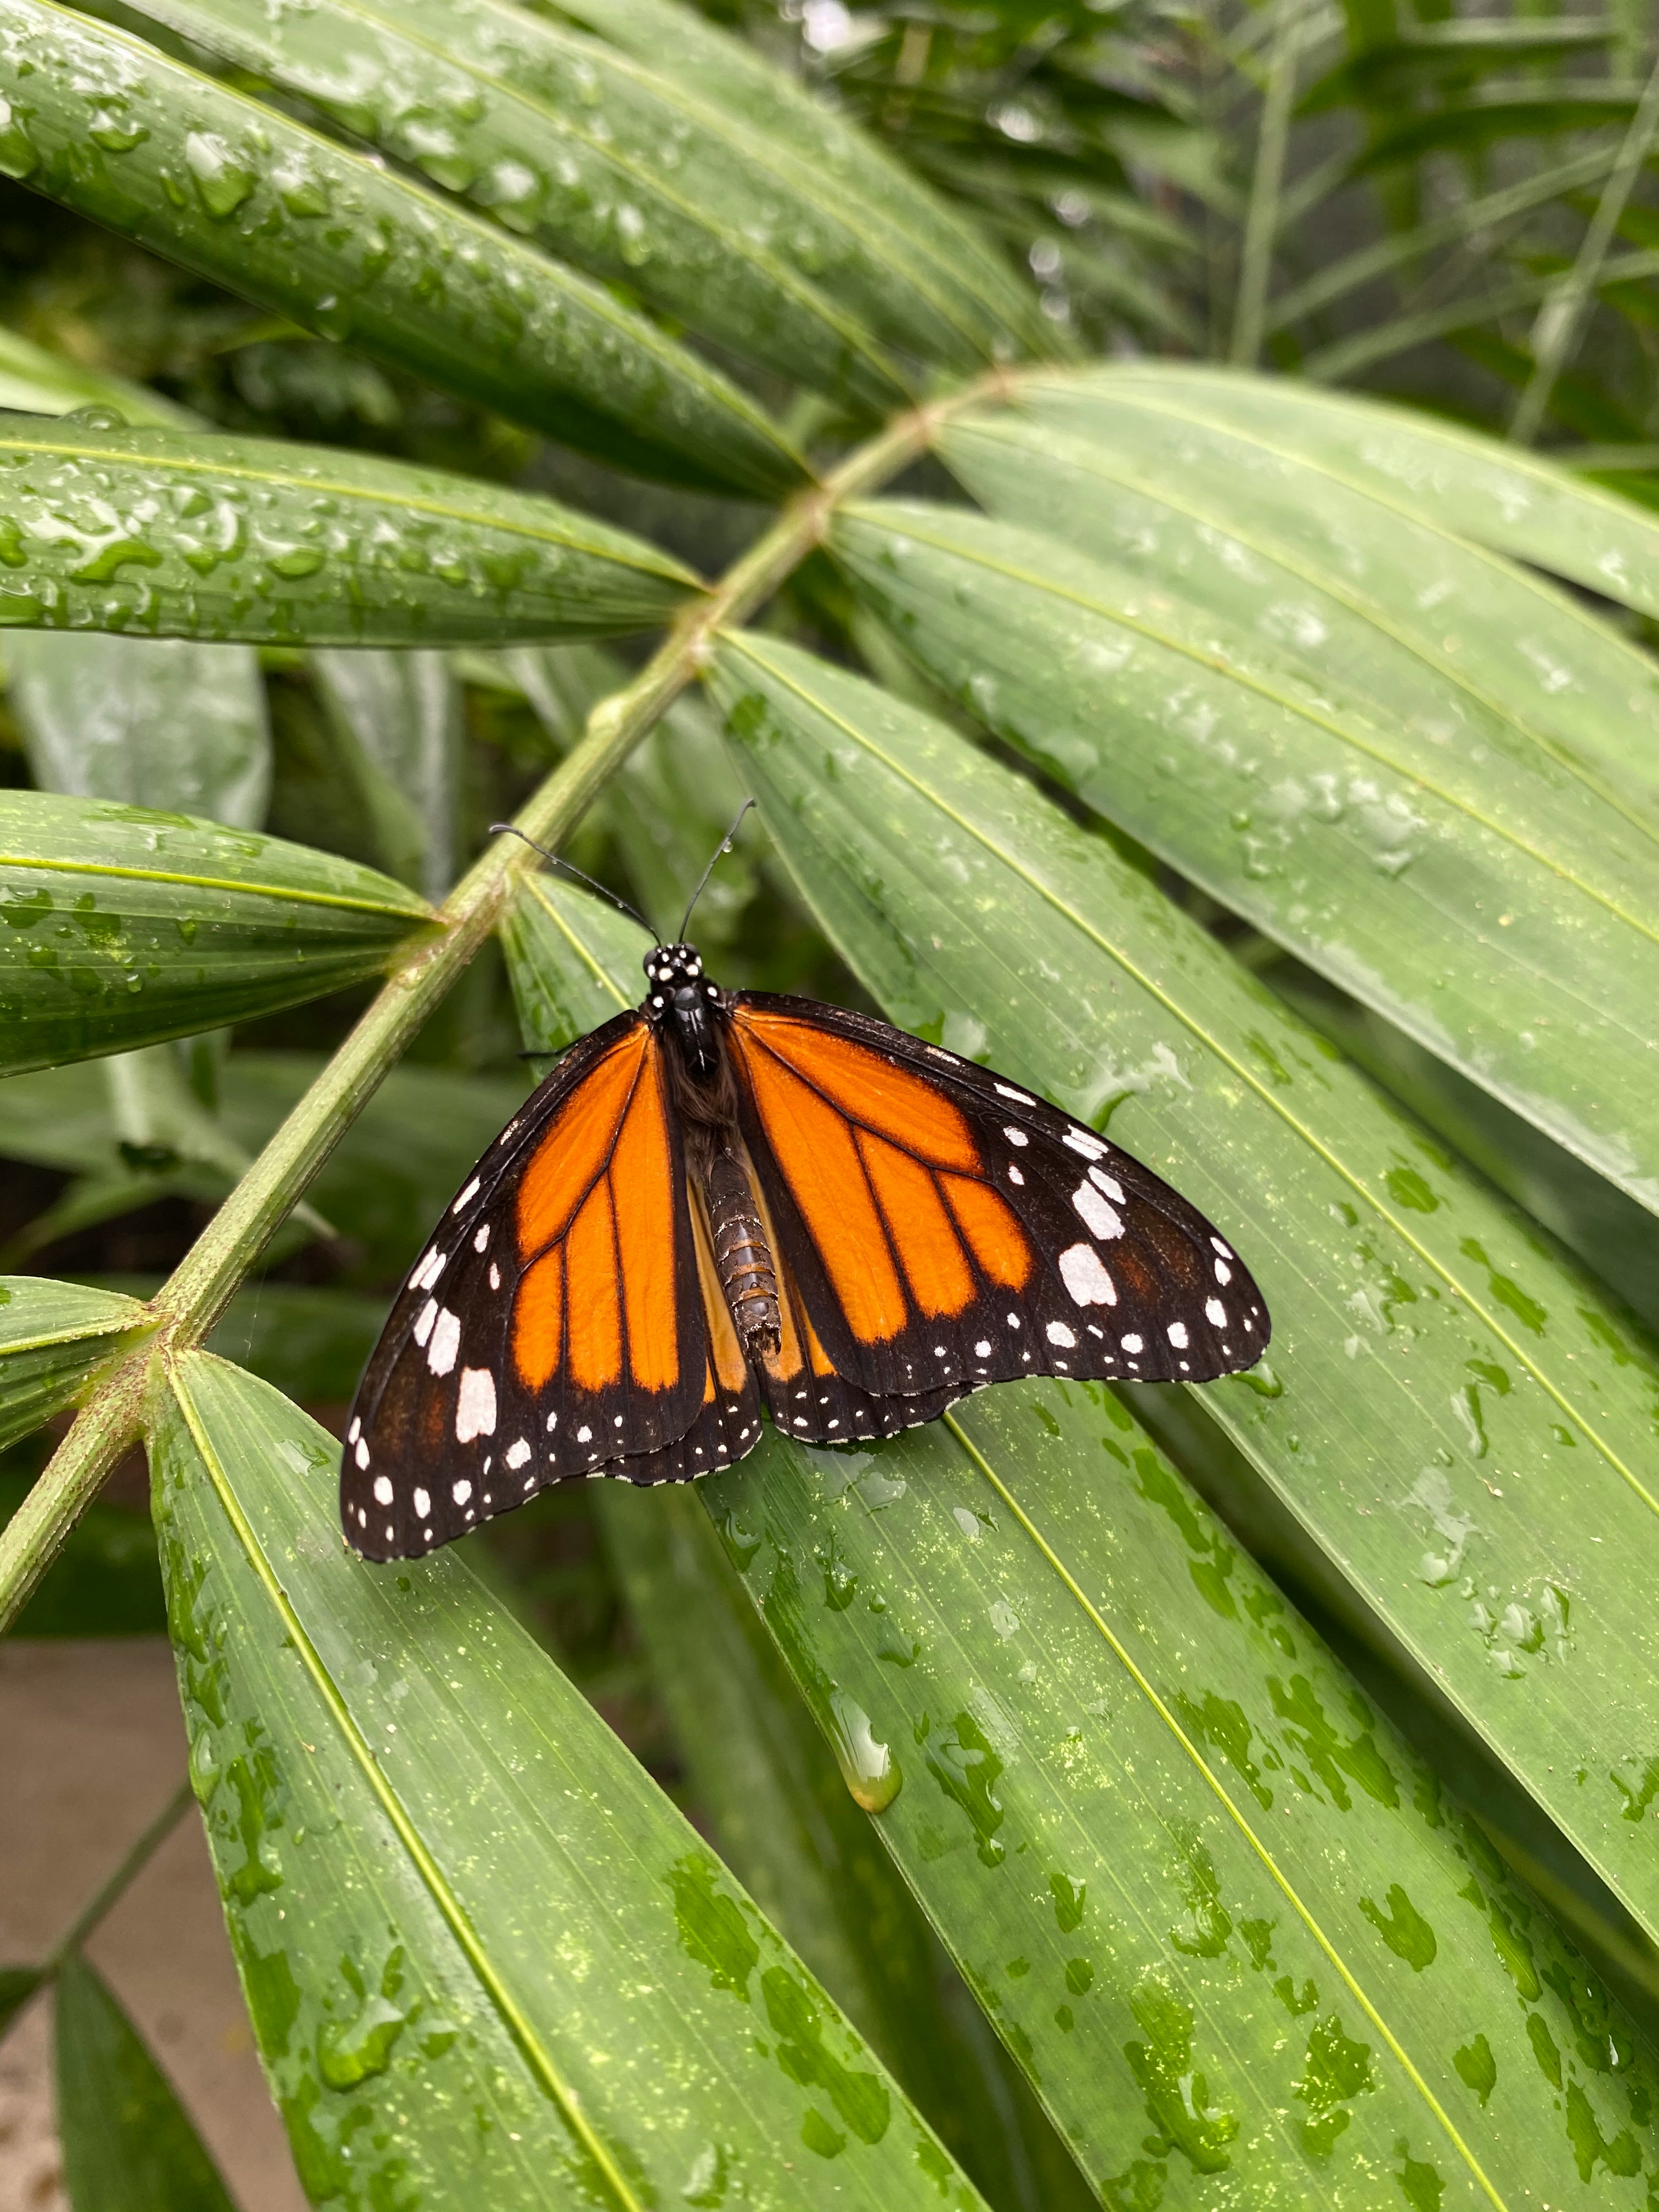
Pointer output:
1081, 1142
1110, 1184
482, 1239
429, 1270
423, 1505
475, 1405
466, 1196
1225, 1250
982, 1349
1223, 1273
583, 1435
423, 1322
517, 1454
382, 1490
1057, 1333
1216, 1314
461, 1491
446, 1342
1131, 1344
362, 1453
354, 1431
1014, 1175
1104, 1220
1177, 1333
1016, 1136
1084, 1278
494, 1276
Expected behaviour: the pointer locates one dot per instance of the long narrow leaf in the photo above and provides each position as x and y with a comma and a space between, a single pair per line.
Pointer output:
1432, 470
122, 926
340, 243
1417, 823
1453, 1414
565, 142
486, 1961
54, 1339
174, 535
128, 2144
818, 155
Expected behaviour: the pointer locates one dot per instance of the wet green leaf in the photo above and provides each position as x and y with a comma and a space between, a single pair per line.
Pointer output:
1420, 466
340, 243
1457, 1418
854, 187
128, 2144
155, 531
1419, 824
152, 721
54, 1339
486, 1961
1218, 1911
120, 926
563, 140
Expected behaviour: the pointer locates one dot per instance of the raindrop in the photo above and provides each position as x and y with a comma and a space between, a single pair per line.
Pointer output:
867, 1767
221, 182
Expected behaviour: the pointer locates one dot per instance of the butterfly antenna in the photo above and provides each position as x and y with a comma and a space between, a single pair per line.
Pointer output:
507, 829
725, 846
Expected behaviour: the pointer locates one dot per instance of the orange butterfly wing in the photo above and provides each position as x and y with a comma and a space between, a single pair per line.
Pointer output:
939, 1229
558, 1324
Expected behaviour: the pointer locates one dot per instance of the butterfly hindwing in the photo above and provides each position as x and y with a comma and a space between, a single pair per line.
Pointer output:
555, 1324
946, 1228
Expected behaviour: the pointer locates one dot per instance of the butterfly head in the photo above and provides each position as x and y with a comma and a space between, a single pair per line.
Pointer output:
681, 996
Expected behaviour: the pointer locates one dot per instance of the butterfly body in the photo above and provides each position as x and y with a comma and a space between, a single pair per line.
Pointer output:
723, 1200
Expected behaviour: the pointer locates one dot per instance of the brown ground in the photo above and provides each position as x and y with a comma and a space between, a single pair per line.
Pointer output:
91, 1747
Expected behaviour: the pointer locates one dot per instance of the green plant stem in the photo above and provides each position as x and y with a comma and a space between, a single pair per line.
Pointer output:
1560, 321
191, 1301
1261, 219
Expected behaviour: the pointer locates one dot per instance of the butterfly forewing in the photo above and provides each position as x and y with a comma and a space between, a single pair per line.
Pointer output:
947, 1230
554, 1324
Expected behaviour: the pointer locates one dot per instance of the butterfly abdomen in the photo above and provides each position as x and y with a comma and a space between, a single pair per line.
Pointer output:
743, 1258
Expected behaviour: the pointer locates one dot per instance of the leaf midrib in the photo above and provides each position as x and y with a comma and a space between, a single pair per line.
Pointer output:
287, 896
819, 304
443, 1897
1229, 1806
1235, 1066
1086, 456
1343, 732
244, 472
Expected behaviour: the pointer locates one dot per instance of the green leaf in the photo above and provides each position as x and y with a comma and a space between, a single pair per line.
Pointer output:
1419, 823
152, 721
1127, 1776
820, 160
486, 1961
1221, 1914
121, 927
564, 141
36, 382
397, 723
128, 2144
1458, 1420
1494, 112
339, 243
54, 1339
759, 1771
176, 536
1453, 479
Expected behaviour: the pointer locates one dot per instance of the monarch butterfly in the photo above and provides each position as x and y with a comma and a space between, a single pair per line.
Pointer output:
727, 1198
